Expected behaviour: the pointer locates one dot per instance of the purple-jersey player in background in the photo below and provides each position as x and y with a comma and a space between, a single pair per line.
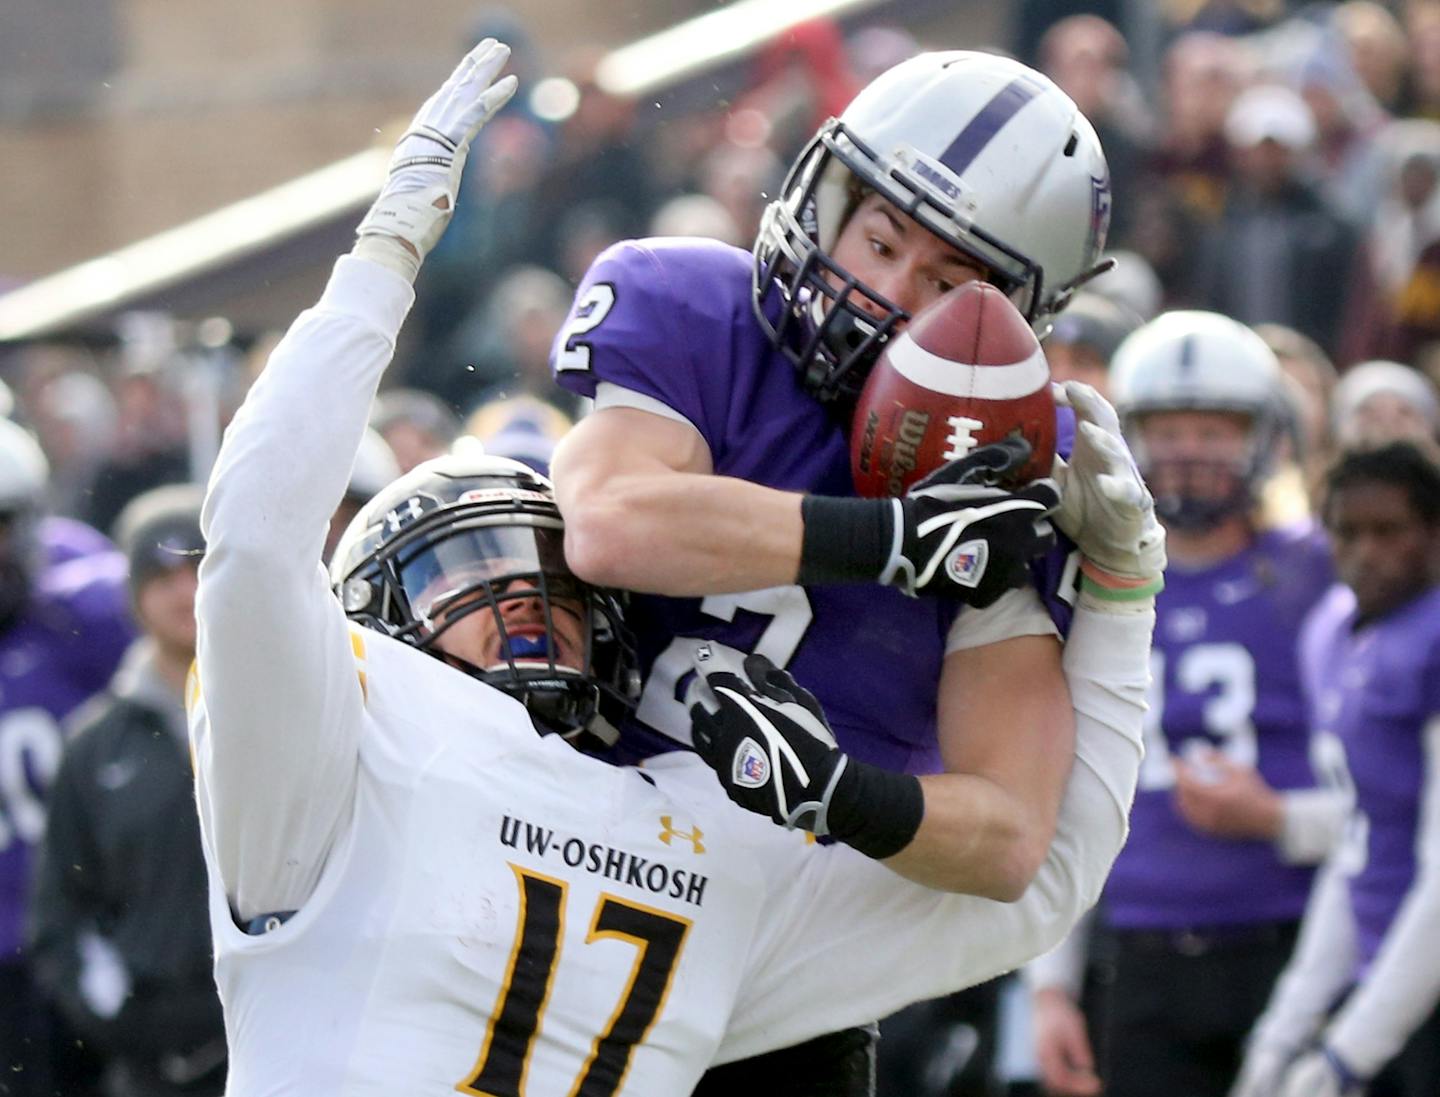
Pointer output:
1202, 907
1371, 660
714, 476
63, 628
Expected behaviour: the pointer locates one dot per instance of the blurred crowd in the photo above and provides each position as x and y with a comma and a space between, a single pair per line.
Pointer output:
1275, 162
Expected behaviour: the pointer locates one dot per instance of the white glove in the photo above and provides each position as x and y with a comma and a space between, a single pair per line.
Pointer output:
1318, 1074
1105, 507
1261, 1072
418, 199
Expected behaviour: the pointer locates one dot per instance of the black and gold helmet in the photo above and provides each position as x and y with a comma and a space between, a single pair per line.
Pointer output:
463, 534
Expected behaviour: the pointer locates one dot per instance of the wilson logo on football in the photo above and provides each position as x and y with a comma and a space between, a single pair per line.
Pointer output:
752, 768
966, 564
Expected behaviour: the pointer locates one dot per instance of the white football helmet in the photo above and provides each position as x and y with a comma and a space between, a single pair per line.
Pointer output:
23, 469
470, 533
23, 476
1201, 361
984, 152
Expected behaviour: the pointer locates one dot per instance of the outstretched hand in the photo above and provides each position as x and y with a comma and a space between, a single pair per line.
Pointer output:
1105, 507
418, 198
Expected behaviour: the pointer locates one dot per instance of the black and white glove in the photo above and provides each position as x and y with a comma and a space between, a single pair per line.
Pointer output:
1105, 507
768, 741
418, 198
961, 535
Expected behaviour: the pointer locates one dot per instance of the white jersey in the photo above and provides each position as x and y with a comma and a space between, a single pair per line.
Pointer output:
483, 909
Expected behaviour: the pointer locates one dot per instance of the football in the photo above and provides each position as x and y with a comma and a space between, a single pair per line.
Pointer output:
965, 372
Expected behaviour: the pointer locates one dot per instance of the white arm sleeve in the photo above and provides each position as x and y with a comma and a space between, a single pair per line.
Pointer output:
1319, 970
1403, 984
850, 941
1311, 822
1063, 967
276, 743
1015, 613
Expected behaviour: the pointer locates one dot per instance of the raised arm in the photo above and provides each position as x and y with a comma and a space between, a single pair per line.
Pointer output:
278, 700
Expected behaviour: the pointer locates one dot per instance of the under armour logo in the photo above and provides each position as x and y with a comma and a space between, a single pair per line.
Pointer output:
404, 514
695, 837
961, 439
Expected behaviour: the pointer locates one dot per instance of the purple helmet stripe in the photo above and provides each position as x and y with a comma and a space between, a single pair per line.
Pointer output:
971, 141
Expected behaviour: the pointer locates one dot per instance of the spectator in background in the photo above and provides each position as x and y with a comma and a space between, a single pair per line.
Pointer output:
1088, 58
1278, 255
1201, 908
63, 628
1422, 26
1380, 402
523, 428
1371, 657
696, 215
375, 466
1396, 308
505, 341
499, 223
1232, 17
741, 179
1377, 48
150, 446
1084, 339
415, 425
1348, 124
585, 232
62, 398
1312, 379
119, 919
801, 78
1203, 73
1132, 284
874, 49
596, 159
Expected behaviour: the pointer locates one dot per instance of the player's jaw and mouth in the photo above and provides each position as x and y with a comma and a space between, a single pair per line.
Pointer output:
520, 632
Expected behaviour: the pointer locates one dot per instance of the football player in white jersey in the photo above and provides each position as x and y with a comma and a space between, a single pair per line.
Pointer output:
418, 888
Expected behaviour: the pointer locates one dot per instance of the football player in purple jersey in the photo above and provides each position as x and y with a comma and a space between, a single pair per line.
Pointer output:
1371, 659
714, 475
64, 623
1201, 909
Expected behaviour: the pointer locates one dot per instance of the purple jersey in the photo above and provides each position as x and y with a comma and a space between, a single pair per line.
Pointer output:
1372, 690
62, 650
673, 320
1225, 676
65, 539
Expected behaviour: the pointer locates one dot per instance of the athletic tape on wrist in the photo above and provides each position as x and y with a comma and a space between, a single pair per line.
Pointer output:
1109, 587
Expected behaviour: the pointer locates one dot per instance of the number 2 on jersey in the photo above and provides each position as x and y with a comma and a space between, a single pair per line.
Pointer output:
516, 1017
590, 310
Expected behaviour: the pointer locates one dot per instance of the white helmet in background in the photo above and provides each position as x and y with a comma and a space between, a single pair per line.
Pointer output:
374, 468
23, 469
24, 473
1201, 361
986, 153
